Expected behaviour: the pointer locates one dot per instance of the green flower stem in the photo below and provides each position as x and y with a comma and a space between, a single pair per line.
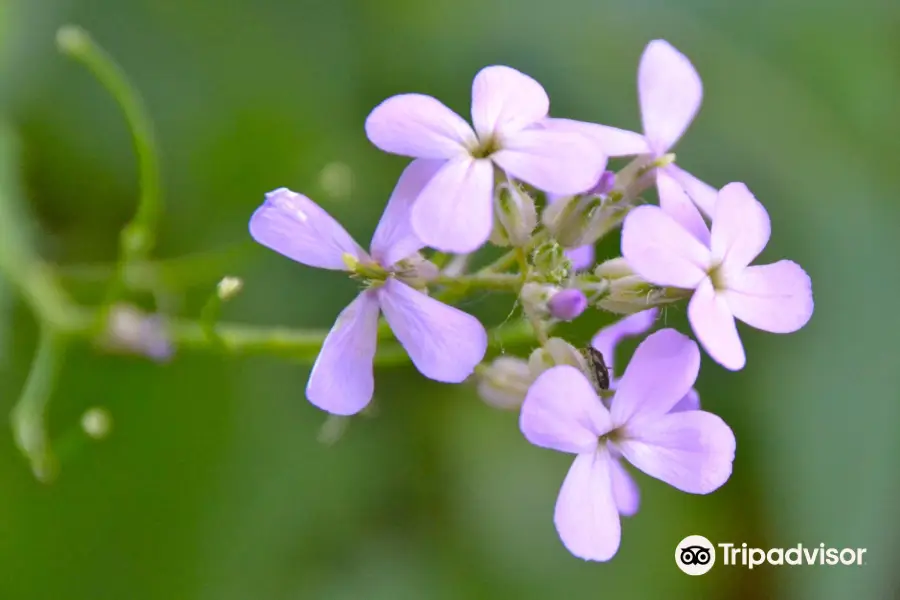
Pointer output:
490, 281
537, 325
139, 235
29, 413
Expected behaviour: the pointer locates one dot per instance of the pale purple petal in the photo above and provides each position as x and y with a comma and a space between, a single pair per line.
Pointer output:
662, 251
586, 517
582, 257
394, 238
703, 194
664, 367
692, 451
419, 126
295, 226
454, 213
625, 490
610, 140
562, 412
341, 381
675, 202
776, 297
691, 401
670, 93
505, 100
443, 342
606, 340
713, 324
740, 230
553, 161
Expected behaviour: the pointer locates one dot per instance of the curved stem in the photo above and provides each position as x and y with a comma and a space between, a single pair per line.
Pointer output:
29, 414
139, 235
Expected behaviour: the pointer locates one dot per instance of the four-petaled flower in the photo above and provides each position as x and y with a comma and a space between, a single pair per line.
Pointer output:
454, 211
443, 342
670, 92
625, 489
673, 247
692, 450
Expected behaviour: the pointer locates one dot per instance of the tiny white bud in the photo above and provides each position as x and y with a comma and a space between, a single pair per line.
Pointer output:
554, 353
504, 383
72, 39
96, 422
613, 268
229, 287
535, 298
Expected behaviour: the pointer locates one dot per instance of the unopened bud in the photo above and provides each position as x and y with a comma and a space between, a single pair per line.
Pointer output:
554, 353
504, 383
516, 216
96, 423
130, 330
613, 268
229, 287
550, 260
536, 297
604, 185
567, 305
582, 220
631, 294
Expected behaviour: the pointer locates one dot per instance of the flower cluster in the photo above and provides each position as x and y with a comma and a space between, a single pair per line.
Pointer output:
540, 186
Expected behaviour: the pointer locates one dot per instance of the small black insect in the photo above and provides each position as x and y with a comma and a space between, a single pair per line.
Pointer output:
597, 367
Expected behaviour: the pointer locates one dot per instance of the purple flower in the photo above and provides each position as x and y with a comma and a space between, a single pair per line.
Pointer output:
670, 92
673, 247
692, 451
444, 343
627, 493
453, 212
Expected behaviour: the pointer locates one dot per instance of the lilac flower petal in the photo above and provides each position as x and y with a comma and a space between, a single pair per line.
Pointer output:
454, 213
394, 239
670, 93
625, 490
341, 381
606, 340
662, 251
505, 100
776, 297
740, 230
692, 451
691, 401
419, 126
562, 412
610, 140
703, 194
713, 324
553, 161
582, 257
675, 202
443, 342
295, 226
664, 367
586, 517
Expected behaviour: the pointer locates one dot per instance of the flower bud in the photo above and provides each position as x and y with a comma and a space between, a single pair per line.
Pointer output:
504, 383
96, 423
554, 353
130, 330
516, 216
536, 297
604, 185
614, 268
567, 305
550, 260
631, 294
229, 287
582, 220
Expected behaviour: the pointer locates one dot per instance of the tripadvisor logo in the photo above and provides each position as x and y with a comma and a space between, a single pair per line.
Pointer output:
696, 555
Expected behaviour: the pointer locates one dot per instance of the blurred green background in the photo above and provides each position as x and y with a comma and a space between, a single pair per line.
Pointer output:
213, 484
